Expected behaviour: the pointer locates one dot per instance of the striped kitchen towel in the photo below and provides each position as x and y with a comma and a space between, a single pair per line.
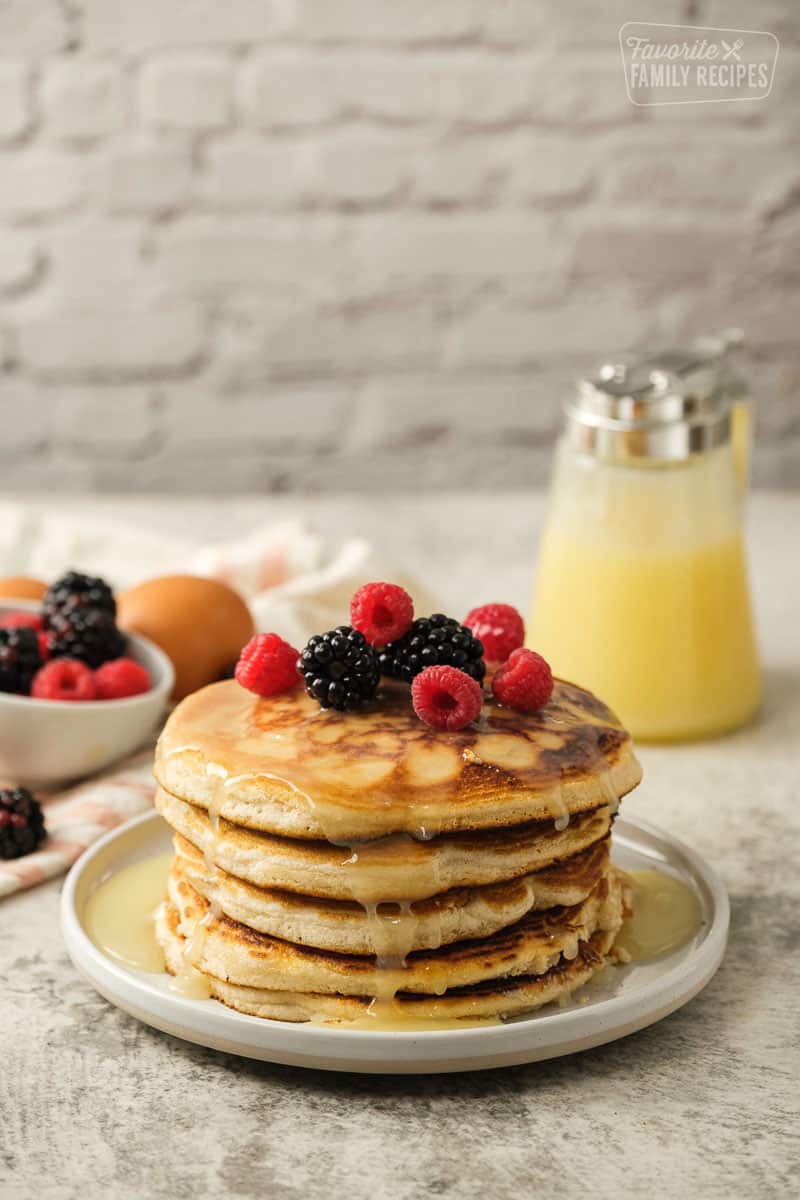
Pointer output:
79, 816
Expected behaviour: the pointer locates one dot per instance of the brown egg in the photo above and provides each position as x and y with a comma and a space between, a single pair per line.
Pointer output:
200, 624
22, 587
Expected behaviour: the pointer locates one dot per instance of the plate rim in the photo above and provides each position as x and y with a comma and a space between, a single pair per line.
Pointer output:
387, 1051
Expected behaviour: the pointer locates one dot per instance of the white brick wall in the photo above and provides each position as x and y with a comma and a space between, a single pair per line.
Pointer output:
14, 107
186, 93
271, 244
39, 183
82, 99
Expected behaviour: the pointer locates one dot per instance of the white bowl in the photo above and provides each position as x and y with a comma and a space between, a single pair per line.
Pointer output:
46, 743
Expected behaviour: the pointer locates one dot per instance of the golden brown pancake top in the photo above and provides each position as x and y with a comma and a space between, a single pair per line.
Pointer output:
382, 770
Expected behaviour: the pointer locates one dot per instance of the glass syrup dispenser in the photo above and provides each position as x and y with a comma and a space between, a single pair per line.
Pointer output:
642, 592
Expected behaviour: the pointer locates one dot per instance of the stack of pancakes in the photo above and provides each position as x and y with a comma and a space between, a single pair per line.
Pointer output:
329, 865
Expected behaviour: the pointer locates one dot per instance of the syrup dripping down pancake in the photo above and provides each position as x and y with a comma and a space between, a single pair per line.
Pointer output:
233, 952
396, 868
504, 996
344, 926
284, 766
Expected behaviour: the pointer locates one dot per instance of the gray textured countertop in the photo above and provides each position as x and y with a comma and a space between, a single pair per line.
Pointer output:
704, 1104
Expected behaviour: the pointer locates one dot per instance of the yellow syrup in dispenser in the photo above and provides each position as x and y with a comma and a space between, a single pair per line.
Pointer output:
642, 592
666, 636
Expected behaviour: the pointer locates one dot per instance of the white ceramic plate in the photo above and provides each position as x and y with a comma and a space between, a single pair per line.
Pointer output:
635, 996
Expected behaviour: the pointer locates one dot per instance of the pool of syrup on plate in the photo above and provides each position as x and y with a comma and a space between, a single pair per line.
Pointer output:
119, 918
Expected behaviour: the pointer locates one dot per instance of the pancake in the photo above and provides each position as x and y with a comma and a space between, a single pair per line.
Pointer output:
500, 997
399, 868
346, 927
282, 765
235, 953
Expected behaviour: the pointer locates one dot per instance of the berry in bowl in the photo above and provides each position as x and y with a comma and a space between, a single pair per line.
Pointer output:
76, 693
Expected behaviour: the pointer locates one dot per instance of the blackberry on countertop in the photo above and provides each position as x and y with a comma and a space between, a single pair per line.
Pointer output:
339, 668
20, 658
436, 641
75, 590
21, 822
88, 634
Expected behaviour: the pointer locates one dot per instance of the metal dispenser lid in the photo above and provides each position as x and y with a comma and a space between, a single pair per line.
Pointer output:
664, 406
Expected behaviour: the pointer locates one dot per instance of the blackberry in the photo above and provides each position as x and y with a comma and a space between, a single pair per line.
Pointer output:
75, 590
21, 822
436, 641
339, 668
20, 658
88, 634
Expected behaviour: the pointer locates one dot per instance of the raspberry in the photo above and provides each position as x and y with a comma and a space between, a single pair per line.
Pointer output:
267, 665
21, 822
382, 612
499, 627
20, 620
64, 679
119, 678
524, 682
445, 697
